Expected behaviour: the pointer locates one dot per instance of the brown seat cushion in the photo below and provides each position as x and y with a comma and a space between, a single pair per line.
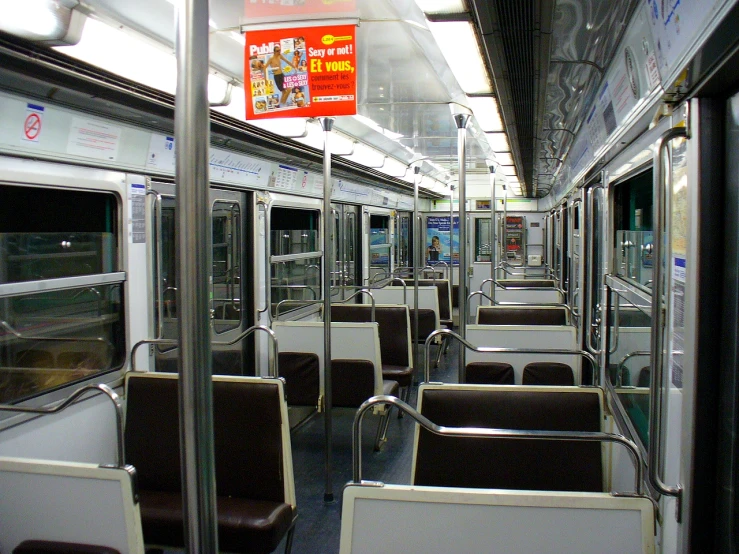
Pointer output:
489, 373
547, 373
510, 463
489, 315
302, 377
56, 547
352, 382
243, 525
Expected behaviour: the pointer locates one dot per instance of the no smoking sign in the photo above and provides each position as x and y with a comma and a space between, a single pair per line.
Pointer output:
33, 123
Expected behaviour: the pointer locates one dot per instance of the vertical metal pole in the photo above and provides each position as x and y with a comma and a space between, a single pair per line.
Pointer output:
505, 223
492, 232
451, 235
192, 137
420, 249
461, 120
327, 124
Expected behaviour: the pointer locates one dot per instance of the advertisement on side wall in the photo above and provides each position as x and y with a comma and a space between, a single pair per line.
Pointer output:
301, 72
438, 240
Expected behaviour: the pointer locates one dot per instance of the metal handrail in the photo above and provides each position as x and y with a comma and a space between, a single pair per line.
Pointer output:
362, 291
590, 237
158, 261
634, 354
295, 302
100, 387
658, 318
267, 265
516, 287
494, 302
480, 432
496, 350
273, 363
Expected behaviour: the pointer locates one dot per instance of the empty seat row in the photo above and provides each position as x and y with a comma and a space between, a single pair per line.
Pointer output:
534, 373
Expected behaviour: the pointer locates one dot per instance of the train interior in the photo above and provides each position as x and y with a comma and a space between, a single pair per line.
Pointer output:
492, 307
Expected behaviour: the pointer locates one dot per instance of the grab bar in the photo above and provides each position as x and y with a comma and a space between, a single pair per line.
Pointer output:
620, 366
495, 350
362, 291
480, 432
100, 387
658, 319
273, 362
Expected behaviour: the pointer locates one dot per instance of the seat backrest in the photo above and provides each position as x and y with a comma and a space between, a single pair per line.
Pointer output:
547, 373
538, 283
489, 373
251, 435
428, 298
301, 371
510, 315
352, 382
463, 520
443, 292
525, 464
359, 341
544, 337
70, 502
394, 328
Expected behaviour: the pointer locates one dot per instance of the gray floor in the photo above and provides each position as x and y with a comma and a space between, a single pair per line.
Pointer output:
318, 525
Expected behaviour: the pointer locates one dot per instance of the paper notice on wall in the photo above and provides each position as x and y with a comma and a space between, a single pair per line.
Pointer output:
161, 153
137, 211
93, 139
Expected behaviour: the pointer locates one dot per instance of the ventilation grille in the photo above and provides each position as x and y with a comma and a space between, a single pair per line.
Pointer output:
516, 20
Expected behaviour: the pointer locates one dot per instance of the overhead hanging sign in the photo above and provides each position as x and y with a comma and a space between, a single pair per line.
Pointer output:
279, 9
301, 72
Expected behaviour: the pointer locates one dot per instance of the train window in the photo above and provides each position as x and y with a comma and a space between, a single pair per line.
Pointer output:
402, 241
633, 229
61, 307
629, 332
379, 246
56, 234
482, 240
51, 339
226, 297
295, 258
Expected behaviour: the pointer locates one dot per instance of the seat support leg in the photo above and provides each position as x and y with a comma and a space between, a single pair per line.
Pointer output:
382, 426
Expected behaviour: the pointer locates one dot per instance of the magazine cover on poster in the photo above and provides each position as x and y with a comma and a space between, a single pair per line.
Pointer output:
301, 72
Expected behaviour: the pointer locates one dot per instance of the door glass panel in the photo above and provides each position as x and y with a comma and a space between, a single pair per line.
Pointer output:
629, 332
226, 297
295, 268
633, 229
379, 247
482, 240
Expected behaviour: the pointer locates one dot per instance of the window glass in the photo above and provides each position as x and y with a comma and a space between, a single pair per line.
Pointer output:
226, 299
50, 234
633, 229
50, 339
295, 267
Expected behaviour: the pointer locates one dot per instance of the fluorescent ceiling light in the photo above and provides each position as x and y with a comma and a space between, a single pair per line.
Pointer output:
487, 114
237, 107
367, 156
287, 127
47, 20
441, 6
121, 52
458, 44
498, 142
509, 170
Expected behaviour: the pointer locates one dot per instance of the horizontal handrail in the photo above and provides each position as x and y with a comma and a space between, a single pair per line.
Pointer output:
496, 350
100, 387
274, 364
289, 302
362, 291
19, 335
480, 432
626, 358
392, 280
526, 305
518, 287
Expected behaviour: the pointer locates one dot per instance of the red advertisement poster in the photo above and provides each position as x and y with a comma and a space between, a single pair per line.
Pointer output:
301, 72
279, 8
